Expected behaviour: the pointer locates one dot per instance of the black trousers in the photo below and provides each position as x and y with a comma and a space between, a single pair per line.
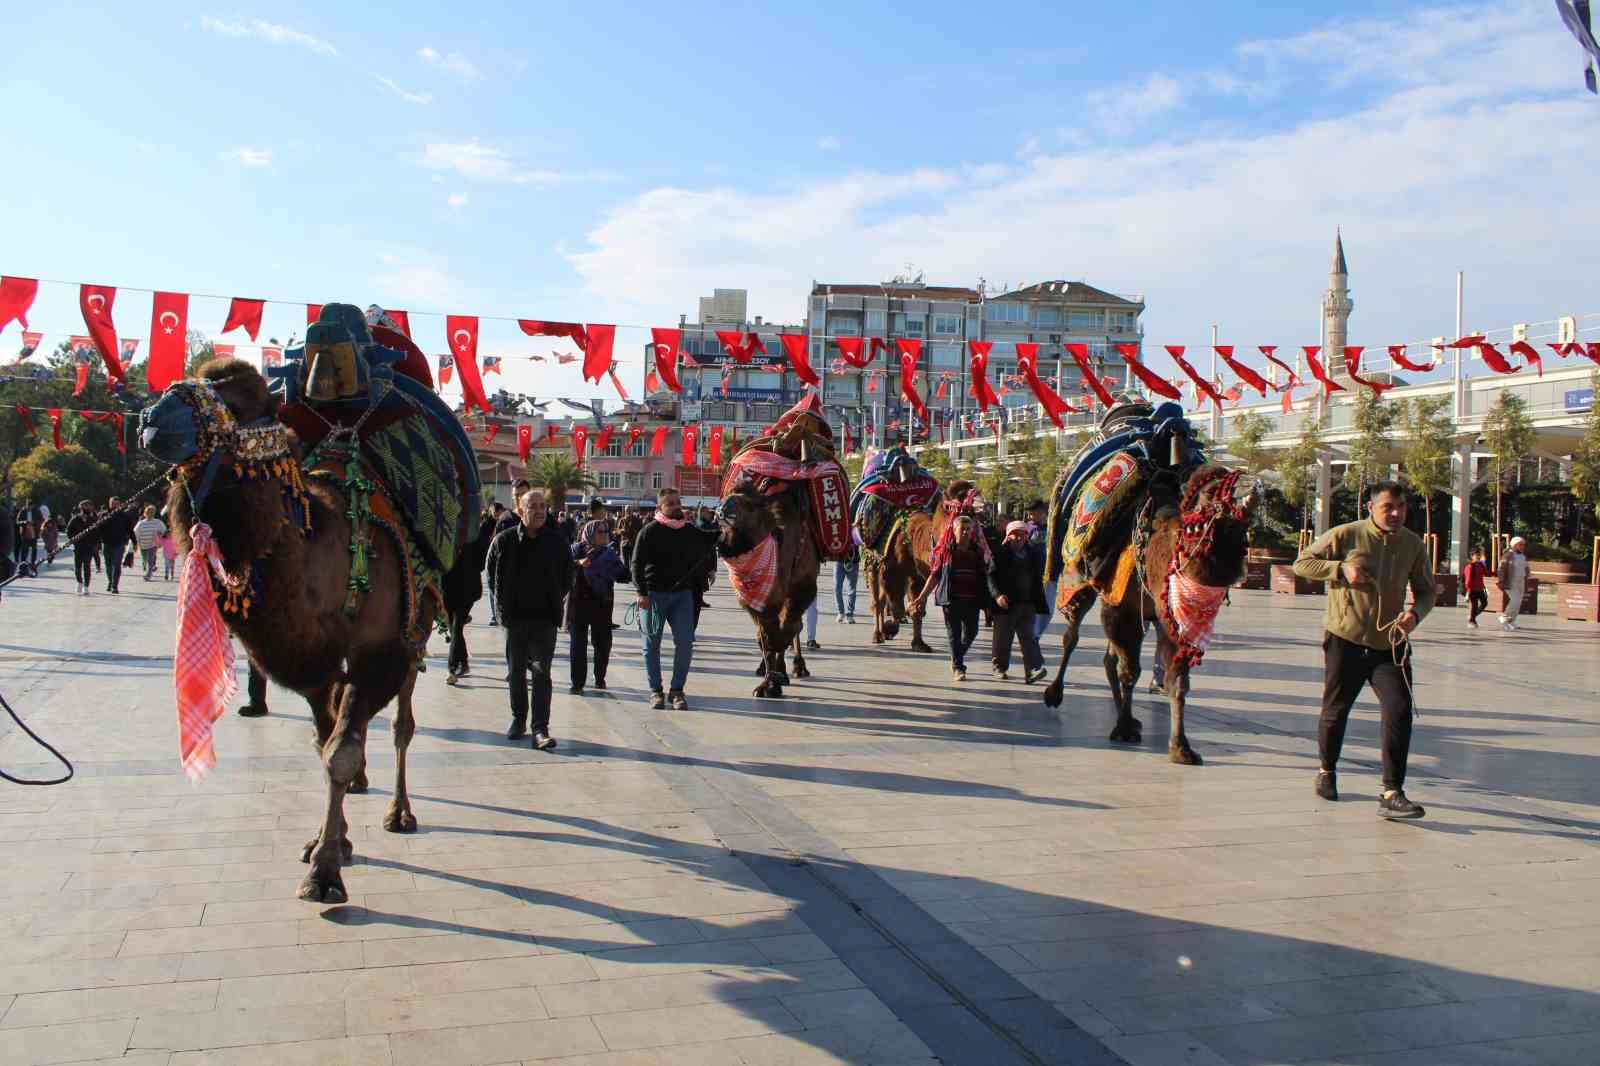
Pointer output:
580, 631
530, 647
457, 662
1478, 602
81, 566
1346, 669
113, 567
961, 626
256, 688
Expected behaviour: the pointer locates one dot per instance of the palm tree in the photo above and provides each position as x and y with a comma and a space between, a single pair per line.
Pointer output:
556, 474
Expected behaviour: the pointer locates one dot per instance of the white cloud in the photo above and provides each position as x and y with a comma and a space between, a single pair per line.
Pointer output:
451, 63
828, 144
271, 32
482, 162
456, 199
408, 97
250, 157
410, 276
1132, 105
1436, 166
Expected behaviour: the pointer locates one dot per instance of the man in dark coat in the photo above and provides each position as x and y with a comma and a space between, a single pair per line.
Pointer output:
530, 570
1017, 588
115, 534
670, 558
463, 587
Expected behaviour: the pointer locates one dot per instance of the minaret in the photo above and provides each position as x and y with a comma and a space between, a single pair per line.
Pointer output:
1336, 308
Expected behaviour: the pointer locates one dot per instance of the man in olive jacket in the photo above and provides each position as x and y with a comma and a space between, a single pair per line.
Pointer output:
530, 570
1368, 565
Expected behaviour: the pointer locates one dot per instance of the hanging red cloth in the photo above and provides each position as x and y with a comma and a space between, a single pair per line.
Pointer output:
169, 346
658, 441
872, 382
665, 345
462, 333
96, 301
1028, 363
1530, 353
794, 346
944, 387
634, 433
550, 433
244, 314
580, 441
1267, 350
27, 421
1495, 359
1240, 370
910, 352
1288, 398
876, 345
981, 390
602, 440
402, 321
222, 351
597, 351
488, 438
716, 445
1397, 352
1201, 385
534, 327
850, 351
524, 442
1080, 356
82, 381
1564, 350
114, 418
651, 382
313, 312
691, 441
55, 426
1152, 381
16, 296
1352, 366
616, 383
1329, 386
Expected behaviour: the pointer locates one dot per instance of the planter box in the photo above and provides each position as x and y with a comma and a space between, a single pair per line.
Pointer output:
1580, 603
1497, 599
1553, 573
1257, 575
1446, 589
1285, 580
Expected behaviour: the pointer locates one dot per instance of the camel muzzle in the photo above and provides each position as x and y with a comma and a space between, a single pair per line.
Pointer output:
169, 430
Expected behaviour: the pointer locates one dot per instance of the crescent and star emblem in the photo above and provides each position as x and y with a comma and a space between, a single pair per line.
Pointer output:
97, 302
462, 338
168, 326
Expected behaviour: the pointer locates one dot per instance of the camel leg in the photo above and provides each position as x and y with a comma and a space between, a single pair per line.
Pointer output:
800, 670
1178, 749
1073, 616
772, 646
399, 818
343, 757
324, 703
917, 643
1124, 636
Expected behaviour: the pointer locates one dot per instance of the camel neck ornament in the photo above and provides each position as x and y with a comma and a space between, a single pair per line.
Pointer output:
260, 450
1191, 607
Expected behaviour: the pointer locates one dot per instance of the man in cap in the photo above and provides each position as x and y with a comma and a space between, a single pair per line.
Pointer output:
1017, 588
1513, 576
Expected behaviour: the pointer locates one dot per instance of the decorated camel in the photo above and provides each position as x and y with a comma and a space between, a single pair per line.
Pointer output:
894, 490
908, 551
1142, 523
784, 510
318, 528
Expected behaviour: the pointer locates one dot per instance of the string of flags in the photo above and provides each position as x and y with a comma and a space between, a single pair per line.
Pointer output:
57, 416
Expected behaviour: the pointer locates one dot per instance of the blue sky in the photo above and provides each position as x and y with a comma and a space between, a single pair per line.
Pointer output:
612, 162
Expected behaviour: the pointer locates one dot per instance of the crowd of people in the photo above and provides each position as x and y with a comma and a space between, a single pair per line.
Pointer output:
103, 540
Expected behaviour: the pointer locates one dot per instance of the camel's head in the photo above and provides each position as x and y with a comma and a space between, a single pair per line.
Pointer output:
1214, 522
747, 518
225, 411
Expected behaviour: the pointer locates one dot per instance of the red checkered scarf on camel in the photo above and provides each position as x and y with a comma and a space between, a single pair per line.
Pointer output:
1191, 609
966, 507
202, 664
754, 574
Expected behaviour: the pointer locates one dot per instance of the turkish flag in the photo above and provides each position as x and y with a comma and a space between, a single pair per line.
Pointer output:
944, 387
1591, 353
1028, 363
95, 301
55, 426
665, 346
1080, 355
82, 380
402, 321
313, 312
876, 345
1494, 359
244, 314
27, 420
691, 438
524, 442
535, 327
716, 445
872, 382
1397, 352
16, 296
1564, 350
1244, 373
910, 352
169, 345
597, 352
735, 344
447, 369
1201, 385
850, 351
1352, 366
616, 383
580, 441
462, 333
981, 390
794, 346
550, 433
658, 441
221, 351
1329, 386
602, 440
634, 433
1152, 381
488, 438
651, 382
30, 344
1288, 398
1530, 353
1267, 350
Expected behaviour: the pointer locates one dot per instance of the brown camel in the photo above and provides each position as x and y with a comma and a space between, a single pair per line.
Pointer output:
748, 519
348, 665
905, 569
1205, 526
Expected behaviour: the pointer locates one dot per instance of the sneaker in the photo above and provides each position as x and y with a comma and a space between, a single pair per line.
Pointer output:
453, 679
600, 683
1512, 626
658, 701
850, 618
1038, 674
576, 690
838, 619
1001, 675
957, 676
812, 645
543, 741
517, 731
678, 702
1473, 622
1396, 805
1328, 785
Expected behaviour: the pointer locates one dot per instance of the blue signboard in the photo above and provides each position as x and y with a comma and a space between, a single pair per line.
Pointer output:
1579, 399
754, 395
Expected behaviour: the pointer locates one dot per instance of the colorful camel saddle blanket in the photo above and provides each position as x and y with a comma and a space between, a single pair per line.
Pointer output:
897, 479
827, 488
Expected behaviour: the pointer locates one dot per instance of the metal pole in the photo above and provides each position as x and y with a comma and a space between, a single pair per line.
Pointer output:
1216, 411
1457, 380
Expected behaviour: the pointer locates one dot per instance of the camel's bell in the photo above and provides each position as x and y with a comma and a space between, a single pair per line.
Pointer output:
1176, 458
331, 364
900, 473
805, 451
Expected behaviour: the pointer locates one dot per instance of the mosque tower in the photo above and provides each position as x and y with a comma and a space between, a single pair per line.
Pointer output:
1336, 308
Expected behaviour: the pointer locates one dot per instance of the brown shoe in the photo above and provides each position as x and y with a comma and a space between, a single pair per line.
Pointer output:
677, 701
658, 701
543, 741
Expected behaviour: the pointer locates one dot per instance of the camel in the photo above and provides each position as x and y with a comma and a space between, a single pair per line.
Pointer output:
749, 520
296, 627
905, 569
1202, 527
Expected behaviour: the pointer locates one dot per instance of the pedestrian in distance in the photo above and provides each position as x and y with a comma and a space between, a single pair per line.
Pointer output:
462, 588
1513, 578
591, 603
670, 558
147, 534
116, 530
84, 544
1474, 581
50, 533
1038, 531
846, 578
1368, 565
530, 569
958, 579
8, 533
1017, 587
505, 518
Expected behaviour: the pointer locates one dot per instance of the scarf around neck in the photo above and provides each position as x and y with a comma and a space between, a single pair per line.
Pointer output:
672, 523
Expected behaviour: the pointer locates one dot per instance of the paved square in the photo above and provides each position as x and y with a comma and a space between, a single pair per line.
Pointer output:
884, 868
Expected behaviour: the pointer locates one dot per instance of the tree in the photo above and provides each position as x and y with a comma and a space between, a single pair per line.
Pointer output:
1249, 431
1508, 434
1368, 453
1429, 437
64, 476
556, 473
1584, 477
1297, 467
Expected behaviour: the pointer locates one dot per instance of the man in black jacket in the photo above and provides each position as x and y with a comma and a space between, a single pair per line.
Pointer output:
670, 556
530, 570
115, 533
1017, 588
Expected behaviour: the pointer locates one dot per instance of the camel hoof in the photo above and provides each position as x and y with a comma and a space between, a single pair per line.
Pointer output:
347, 850
1052, 694
400, 822
920, 645
358, 787
877, 638
253, 710
1130, 732
323, 887
1184, 756
801, 672
770, 690
761, 670
890, 630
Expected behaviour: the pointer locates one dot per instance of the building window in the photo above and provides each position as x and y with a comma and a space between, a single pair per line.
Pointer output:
1122, 322
875, 321
844, 327
946, 325
909, 326
1047, 316
637, 451
657, 480
1083, 320
633, 480
1007, 311
610, 479
614, 448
